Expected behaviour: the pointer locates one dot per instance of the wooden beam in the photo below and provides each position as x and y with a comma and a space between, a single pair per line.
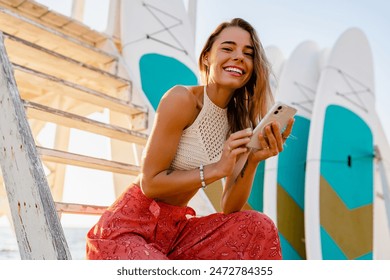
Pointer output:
13, 3
33, 8
37, 226
61, 142
78, 10
75, 208
46, 37
26, 53
37, 83
122, 152
40, 112
87, 162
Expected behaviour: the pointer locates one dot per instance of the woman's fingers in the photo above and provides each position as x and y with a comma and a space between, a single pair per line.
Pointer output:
286, 133
263, 142
278, 136
273, 144
241, 134
239, 139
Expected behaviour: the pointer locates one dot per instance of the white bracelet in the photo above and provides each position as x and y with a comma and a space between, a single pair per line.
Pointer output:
202, 177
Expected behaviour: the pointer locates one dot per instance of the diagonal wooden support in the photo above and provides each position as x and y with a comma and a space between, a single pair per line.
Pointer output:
37, 226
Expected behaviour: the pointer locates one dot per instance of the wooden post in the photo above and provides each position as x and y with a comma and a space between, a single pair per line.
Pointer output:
192, 12
78, 10
37, 226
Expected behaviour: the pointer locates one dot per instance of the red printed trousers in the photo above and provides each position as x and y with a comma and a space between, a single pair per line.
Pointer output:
136, 227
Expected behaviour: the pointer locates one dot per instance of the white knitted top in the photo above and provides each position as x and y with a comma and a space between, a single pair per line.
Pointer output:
202, 142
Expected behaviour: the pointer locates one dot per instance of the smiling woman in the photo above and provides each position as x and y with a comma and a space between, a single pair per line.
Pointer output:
191, 148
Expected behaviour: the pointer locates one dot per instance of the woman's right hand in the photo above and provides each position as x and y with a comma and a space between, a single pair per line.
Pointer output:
234, 146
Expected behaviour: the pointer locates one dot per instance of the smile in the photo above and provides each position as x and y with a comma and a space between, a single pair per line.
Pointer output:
234, 70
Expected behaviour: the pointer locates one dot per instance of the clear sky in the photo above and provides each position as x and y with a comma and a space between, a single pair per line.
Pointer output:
282, 23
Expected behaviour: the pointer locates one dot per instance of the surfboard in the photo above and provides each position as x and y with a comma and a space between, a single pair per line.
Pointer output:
284, 180
340, 167
382, 195
158, 46
159, 50
276, 60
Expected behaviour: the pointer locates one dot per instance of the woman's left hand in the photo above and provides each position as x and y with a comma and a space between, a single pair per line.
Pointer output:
271, 142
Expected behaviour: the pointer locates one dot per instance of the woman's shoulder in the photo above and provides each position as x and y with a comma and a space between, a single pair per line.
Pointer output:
183, 96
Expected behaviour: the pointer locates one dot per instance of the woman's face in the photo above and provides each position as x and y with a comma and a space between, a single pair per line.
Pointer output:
231, 58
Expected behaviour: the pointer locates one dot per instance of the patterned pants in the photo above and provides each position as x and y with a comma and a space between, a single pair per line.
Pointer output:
136, 227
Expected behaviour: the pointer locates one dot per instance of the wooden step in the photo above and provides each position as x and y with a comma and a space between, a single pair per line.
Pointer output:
64, 24
76, 208
42, 60
57, 156
42, 35
34, 85
44, 113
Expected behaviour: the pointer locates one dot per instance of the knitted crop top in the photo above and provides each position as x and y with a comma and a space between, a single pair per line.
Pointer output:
202, 142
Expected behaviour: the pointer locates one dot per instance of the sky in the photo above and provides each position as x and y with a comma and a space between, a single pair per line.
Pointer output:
281, 23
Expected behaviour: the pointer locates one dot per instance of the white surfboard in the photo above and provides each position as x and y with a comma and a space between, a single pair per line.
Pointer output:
382, 195
277, 61
158, 47
340, 222
284, 180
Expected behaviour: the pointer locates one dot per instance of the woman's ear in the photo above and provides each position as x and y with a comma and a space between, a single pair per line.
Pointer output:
206, 60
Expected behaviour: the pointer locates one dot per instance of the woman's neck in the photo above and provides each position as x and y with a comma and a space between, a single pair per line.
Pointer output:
220, 96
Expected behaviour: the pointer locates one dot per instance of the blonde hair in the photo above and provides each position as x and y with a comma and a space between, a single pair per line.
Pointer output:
249, 103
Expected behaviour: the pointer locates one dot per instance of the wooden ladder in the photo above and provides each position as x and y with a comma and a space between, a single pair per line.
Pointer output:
56, 70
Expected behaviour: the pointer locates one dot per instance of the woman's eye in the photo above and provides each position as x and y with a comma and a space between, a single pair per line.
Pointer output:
249, 54
227, 49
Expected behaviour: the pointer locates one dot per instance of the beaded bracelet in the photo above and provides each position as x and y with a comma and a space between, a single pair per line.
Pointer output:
202, 177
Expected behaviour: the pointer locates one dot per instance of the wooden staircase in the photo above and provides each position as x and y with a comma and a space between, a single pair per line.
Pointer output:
60, 71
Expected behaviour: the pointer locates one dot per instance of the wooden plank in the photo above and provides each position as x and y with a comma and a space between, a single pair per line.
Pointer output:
33, 83
25, 53
87, 162
44, 113
55, 19
78, 9
13, 3
83, 209
37, 226
94, 36
61, 142
77, 28
33, 8
50, 38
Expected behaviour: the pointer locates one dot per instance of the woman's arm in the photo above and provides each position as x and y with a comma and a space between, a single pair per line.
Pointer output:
237, 190
174, 113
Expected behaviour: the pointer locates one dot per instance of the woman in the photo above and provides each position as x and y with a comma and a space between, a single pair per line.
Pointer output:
189, 149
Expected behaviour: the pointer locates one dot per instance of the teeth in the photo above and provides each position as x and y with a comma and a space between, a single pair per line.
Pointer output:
232, 69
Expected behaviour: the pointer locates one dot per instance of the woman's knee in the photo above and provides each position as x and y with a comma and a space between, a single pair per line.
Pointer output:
255, 217
256, 223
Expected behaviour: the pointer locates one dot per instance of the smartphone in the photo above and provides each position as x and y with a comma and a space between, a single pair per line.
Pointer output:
279, 112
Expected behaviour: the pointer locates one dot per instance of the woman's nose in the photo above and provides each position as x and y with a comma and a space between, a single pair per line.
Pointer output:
239, 56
